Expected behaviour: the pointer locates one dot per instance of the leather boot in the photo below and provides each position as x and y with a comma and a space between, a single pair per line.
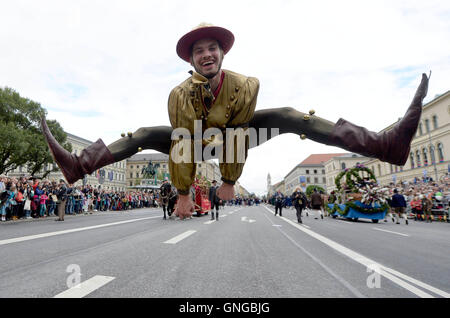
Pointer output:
391, 146
74, 167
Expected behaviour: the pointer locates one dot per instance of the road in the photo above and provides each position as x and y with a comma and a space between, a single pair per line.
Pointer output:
248, 253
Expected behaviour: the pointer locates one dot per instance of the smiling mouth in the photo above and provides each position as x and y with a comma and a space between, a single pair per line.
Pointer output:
208, 63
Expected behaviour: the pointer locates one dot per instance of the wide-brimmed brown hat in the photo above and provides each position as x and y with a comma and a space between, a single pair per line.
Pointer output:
204, 31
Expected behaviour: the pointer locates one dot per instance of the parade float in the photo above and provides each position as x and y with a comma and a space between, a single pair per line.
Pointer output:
358, 196
201, 201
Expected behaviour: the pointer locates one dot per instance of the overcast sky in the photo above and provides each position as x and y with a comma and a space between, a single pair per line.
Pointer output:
105, 67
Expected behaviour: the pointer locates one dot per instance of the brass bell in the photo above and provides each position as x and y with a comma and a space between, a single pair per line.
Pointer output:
232, 97
130, 134
312, 112
306, 117
122, 134
226, 115
139, 149
237, 89
302, 136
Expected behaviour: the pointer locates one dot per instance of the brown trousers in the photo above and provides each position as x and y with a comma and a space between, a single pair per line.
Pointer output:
61, 209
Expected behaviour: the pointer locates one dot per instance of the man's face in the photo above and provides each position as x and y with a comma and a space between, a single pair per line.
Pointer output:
207, 57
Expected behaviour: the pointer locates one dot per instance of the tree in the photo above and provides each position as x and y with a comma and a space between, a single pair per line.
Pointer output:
310, 189
21, 140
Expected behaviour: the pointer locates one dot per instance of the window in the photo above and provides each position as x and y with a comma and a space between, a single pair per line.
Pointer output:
379, 170
316, 180
324, 180
420, 129
323, 171
307, 171
425, 157
315, 171
411, 157
432, 156
343, 166
137, 174
440, 152
418, 158
392, 170
164, 166
308, 180
137, 167
131, 167
131, 183
427, 125
435, 122
131, 175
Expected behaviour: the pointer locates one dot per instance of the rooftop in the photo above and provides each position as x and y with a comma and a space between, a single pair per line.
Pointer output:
149, 156
320, 158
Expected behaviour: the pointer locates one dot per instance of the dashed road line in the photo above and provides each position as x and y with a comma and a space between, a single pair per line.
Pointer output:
180, 237
86, 287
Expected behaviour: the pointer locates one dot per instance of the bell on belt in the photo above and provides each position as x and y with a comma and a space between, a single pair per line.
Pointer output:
130, 134
139, 149
303, 136
312, 112
122, 134
306, 117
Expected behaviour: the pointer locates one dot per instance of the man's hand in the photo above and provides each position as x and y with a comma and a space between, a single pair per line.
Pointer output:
226, 192
184, 207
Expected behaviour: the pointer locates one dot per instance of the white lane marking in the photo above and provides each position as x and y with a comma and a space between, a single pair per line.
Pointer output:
375, 228
180, 237
277, 225
369, 263
37, 236
245, 219
86, 287
231, 212
223, 215
346, 222
209, 222
306, 226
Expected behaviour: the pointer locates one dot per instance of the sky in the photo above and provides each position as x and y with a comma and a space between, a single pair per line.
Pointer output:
101, 68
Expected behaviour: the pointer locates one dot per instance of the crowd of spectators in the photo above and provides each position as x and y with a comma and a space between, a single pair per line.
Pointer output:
34, 198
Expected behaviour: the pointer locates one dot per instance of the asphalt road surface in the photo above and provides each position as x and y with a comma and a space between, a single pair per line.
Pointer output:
248, 253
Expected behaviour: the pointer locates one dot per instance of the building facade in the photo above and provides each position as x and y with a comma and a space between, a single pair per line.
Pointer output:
310, 171
429, 155
111, 177
339, 163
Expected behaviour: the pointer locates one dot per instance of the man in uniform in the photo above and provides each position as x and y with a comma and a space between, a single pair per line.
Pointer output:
62, 198
164, 192
297, 201
279, 202
224, 99
214, 199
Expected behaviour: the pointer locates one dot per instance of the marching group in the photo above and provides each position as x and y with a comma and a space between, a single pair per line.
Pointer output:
422, 201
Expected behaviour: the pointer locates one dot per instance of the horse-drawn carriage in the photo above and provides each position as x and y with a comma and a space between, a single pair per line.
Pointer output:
358, 196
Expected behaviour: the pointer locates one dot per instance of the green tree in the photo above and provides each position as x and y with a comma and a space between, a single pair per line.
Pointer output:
310, 189
21, 140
